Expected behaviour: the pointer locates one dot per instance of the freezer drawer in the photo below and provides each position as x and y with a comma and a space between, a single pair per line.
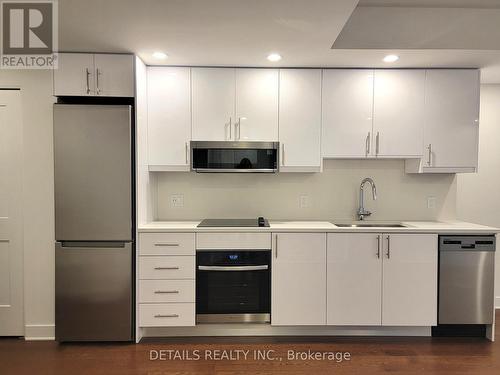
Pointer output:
92, 172
93, 291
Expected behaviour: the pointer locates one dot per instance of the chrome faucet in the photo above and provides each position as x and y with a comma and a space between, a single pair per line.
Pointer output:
362, 212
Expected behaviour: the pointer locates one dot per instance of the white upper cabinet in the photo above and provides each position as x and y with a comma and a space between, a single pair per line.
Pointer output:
300, 120
114, 75
409, 292
354, 279
398, 113
256, 105
451, 128
347, 112
87, 74
169, 118
74, 75
213, 100
298, 295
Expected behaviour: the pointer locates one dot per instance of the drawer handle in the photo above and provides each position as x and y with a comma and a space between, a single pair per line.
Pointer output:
166, 244
166, 268
166, 292
167, 316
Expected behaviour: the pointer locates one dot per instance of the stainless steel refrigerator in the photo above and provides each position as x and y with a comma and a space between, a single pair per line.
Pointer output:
93, 227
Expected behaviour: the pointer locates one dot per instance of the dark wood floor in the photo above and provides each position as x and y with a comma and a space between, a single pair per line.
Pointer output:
371, 356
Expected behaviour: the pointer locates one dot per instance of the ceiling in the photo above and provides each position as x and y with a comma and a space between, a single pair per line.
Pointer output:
424, 33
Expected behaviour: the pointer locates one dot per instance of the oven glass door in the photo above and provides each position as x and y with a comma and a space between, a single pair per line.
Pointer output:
233, 282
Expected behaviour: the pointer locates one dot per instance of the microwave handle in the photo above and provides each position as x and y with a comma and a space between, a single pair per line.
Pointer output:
233, 268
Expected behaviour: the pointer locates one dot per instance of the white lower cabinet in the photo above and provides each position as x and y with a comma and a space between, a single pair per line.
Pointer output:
298, 295
354, 279
166, 286
409, 287
382, 279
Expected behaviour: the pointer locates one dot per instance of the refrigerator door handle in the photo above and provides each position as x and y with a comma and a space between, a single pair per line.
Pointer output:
93, 244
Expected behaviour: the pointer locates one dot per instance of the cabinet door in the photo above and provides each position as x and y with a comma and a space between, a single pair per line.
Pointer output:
74, 75
354, 279
347, 112
213, 104
299, 279
398, 113
257, 104
410, 280
452, 116
114, 75
169, 118
300, 119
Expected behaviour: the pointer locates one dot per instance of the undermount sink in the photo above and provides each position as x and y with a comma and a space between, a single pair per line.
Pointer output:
370, 225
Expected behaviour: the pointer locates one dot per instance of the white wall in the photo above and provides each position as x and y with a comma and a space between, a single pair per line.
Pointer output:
38, 174
478, 195
332, 194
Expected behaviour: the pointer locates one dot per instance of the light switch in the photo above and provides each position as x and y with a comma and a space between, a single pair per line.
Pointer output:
304, 201
431, 203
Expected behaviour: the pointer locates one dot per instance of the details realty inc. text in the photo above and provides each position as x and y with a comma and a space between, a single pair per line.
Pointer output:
246, 355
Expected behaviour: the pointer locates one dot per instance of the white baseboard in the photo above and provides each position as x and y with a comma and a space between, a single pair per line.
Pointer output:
497, 302
34, 332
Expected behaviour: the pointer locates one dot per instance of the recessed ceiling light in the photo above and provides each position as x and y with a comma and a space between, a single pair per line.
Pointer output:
160, 55
274, 57
391, 58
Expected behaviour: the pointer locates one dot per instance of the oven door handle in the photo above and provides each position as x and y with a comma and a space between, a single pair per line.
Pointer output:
233, 268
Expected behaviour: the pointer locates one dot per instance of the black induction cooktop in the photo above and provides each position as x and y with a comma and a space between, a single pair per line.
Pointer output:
259, 222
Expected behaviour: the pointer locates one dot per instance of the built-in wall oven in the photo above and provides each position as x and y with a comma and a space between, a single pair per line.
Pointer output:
233, 286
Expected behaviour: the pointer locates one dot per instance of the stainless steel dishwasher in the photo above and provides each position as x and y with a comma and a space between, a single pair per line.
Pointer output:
466, 276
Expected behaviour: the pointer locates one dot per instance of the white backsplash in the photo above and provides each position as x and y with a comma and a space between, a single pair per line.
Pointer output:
332, 194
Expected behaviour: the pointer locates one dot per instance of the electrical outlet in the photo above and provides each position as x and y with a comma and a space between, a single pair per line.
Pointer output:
304, 201
431, 203
177, 200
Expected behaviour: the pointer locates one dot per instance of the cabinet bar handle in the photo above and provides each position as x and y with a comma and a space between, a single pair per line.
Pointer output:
187, 153
237, 129
166, 244
377, 145
378, 246
98, 73
429, 157
367, 144
283, 154
276, 253
230, 128
166, 292
388, 247
167, 316
87, 79
166, 268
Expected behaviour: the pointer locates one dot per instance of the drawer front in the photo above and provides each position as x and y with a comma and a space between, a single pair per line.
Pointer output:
166, 244
167, 267
166, 291
231, 241
167, 315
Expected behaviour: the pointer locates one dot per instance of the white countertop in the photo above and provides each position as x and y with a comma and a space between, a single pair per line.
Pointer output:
451, 227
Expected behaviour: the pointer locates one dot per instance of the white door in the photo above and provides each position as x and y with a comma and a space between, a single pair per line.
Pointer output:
398, 113
212, 93
298, 293
409, 291
114, 75
300, 120
169, 118
347, 112
257, 104
11, 220
354, 279
75, 75
452, 118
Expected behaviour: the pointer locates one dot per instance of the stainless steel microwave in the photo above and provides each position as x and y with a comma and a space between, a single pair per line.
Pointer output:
234, 157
